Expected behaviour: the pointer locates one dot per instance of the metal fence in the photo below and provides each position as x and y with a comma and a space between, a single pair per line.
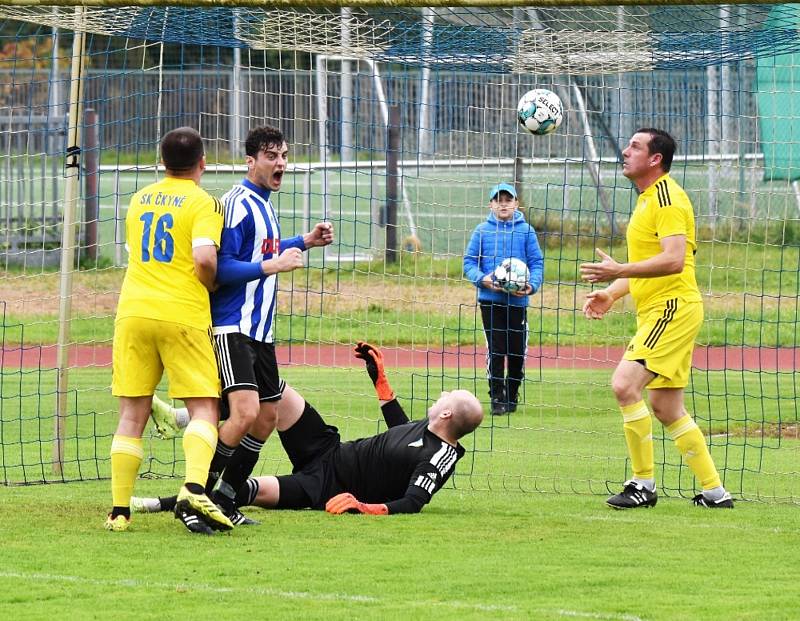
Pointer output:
473, 119
473, 113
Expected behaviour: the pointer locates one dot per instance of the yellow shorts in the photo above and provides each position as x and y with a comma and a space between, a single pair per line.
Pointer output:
665, 337
144, 348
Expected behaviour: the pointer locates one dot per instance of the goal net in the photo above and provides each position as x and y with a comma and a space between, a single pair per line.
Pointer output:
399, 121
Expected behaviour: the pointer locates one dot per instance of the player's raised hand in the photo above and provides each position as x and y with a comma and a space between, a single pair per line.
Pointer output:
373, 360
320, 235
372, 357
597, 304
606, 270
347, 503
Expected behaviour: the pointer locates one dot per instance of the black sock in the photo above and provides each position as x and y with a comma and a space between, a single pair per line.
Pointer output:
168, 503
222, 456
195, 488
126, 511
247, 493
238, 469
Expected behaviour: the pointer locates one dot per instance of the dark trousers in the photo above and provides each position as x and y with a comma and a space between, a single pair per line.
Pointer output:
506, 329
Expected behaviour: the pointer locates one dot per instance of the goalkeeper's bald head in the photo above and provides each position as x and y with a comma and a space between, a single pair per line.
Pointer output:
460, 410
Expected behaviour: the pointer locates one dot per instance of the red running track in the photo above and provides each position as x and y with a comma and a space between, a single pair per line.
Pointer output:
468, 357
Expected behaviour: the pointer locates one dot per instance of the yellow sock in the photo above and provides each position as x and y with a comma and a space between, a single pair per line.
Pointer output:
638, 428
692, 445
126, 457
199, 442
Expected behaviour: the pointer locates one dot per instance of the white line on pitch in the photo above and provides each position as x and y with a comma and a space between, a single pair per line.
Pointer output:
592, 615
300, 595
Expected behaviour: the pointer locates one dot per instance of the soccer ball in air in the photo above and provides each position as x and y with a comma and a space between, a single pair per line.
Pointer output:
540, 111
512, 275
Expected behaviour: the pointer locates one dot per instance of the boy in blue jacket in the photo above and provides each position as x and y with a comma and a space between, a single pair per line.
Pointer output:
505, 234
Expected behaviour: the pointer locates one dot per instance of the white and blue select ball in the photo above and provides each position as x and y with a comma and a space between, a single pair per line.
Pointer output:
512, 275
540, 111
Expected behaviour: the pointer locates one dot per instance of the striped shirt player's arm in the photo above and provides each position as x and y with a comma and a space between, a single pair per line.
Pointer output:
239, 228
427, 479
293, 242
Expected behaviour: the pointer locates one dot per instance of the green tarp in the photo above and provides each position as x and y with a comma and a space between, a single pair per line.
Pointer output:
778, 84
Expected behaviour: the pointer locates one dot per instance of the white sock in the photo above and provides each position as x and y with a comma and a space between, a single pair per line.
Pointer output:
181, 417
648, 484
715, 493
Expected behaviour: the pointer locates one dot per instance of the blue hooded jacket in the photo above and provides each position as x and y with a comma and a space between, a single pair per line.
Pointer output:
494, 241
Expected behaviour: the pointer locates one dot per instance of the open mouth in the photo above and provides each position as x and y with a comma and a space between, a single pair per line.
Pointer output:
277, 177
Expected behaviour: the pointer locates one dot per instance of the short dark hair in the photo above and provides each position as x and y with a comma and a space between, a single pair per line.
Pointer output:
181, 149
262, 138
660, 142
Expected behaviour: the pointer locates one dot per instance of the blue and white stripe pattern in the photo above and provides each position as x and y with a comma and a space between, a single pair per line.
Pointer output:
251, 234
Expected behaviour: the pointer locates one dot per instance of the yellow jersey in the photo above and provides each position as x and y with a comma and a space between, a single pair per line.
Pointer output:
662, 210
165, 221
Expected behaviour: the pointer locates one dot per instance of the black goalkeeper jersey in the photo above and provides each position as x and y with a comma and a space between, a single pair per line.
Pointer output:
402, 467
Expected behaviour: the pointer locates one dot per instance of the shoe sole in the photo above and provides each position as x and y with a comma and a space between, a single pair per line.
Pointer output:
702, 506
645, 506
185, 505
165, 432
164, 427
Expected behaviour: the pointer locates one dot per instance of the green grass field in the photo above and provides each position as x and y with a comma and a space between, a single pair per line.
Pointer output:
523, 532
469, 555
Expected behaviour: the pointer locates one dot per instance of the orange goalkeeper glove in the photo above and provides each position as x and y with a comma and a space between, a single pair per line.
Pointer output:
373, 358
347, 503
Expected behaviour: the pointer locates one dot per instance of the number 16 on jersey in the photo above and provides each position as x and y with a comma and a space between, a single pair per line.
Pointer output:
162, 244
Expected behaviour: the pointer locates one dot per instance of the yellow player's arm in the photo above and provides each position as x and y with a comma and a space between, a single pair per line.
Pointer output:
205, 265
669, 261
600, 301
619, 288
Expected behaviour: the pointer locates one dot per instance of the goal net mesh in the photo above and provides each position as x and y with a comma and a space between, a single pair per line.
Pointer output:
723, 79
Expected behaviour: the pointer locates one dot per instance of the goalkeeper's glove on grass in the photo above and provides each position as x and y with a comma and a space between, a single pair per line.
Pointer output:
373, 358
347, 503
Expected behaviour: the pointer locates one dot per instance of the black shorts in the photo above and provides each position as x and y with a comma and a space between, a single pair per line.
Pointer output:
311, 445
247, 364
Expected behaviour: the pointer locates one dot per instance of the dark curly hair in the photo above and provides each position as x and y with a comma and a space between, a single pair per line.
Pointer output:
262, 138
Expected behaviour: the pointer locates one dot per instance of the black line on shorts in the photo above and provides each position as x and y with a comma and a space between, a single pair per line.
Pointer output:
661, 324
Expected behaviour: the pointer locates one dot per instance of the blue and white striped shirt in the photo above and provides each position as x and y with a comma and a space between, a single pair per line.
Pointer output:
251, 234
